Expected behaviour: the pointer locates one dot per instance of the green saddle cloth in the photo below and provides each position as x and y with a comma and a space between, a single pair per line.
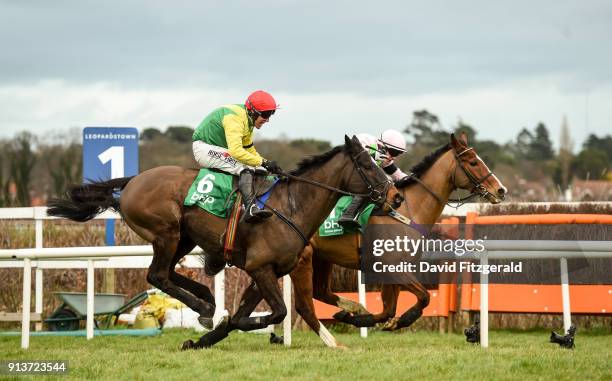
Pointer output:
212, 191
331, 227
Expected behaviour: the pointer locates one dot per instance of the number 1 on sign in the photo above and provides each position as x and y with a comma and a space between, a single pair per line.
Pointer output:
115, 156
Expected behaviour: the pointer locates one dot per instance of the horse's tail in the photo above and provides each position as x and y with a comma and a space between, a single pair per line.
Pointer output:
84, 202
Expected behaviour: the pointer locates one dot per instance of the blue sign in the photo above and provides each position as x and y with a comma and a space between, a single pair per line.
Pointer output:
109, 153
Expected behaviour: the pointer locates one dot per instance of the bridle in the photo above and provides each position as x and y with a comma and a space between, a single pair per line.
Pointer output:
477, 188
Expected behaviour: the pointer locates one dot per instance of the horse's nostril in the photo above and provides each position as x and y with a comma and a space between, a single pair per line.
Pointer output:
501, 191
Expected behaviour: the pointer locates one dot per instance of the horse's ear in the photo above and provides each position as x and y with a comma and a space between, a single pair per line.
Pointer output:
463, 138
351, 143
347, 141
355, 144
455, 143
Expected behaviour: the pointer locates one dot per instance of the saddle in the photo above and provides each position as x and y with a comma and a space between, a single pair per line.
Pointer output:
217, 193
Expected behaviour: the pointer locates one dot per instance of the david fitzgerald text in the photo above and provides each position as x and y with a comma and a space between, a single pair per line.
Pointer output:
454, 267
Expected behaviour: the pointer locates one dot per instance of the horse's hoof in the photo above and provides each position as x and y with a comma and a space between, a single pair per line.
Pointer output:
390, 325
189, 344
206, 322
341, 316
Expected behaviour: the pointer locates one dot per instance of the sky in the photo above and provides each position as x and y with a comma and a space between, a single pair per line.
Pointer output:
335, 67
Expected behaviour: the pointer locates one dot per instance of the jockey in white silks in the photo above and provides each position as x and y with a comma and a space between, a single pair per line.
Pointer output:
383, 150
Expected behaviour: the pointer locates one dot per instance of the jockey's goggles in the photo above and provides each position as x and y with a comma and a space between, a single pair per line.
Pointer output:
266, 114
394, 152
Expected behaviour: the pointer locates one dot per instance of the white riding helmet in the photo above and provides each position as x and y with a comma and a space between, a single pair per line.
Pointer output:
394, 141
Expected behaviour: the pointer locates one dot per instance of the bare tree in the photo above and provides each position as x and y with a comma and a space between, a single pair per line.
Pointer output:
21, 162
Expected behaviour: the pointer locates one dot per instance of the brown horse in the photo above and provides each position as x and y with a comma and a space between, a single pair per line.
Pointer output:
426, 193
152, 205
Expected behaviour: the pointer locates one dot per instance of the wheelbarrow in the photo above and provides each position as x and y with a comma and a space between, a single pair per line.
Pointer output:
74, 309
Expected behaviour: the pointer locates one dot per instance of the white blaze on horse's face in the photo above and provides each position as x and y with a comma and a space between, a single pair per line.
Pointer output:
497, 180
496, 191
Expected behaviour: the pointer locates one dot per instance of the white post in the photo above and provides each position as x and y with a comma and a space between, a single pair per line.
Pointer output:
38, 289
484, 302
38, 308
565, 295
362, 299
90, 299
288, 304
25, 310
219, 296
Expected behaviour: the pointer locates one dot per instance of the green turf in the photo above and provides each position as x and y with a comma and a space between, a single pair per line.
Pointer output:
382, 356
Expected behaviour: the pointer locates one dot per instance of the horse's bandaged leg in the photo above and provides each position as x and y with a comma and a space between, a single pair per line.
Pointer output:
365, 320
409, 317
327, 337
252, 323
220, 332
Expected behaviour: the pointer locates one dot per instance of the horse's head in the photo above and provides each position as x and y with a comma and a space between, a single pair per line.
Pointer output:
473, 174
367, 178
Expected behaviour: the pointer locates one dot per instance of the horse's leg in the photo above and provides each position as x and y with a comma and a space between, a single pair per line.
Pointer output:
415, 312
199, 290
164, 251
250, 300
321, 281
301, 277
389, 294
265, 284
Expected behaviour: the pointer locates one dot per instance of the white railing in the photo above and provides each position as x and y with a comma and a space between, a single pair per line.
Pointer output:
561, 250
530, 249
81, 257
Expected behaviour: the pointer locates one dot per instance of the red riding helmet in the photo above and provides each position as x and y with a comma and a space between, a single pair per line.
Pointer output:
260, 101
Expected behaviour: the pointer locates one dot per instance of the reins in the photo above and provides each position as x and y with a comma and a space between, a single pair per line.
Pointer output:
374, 194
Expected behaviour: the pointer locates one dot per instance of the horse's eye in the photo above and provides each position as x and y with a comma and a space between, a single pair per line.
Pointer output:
473, 163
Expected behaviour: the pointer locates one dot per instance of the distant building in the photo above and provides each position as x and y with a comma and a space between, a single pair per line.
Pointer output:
591, 190
529, 191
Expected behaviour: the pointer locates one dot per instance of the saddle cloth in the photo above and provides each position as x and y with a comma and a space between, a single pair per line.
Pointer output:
331, 227
215, 191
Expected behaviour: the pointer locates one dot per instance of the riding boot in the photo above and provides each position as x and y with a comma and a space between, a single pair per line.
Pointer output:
351, 213
252, 212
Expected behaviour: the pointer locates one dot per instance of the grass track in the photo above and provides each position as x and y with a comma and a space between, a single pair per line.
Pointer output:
383, 356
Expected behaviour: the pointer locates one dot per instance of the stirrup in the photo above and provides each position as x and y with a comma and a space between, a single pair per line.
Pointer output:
349, 221
254, 214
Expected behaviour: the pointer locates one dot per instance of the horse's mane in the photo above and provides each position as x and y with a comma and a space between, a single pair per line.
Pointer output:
422, 167
315, 161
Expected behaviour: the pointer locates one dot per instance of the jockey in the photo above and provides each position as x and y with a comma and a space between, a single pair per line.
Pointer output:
383, 150
224, 141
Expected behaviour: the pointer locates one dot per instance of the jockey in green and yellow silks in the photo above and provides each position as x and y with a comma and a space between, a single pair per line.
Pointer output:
224, 140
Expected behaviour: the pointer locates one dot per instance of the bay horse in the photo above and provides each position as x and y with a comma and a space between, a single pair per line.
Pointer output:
425, 194
151, 204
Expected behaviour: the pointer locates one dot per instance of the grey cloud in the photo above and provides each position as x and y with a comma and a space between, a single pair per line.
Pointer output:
385, 47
